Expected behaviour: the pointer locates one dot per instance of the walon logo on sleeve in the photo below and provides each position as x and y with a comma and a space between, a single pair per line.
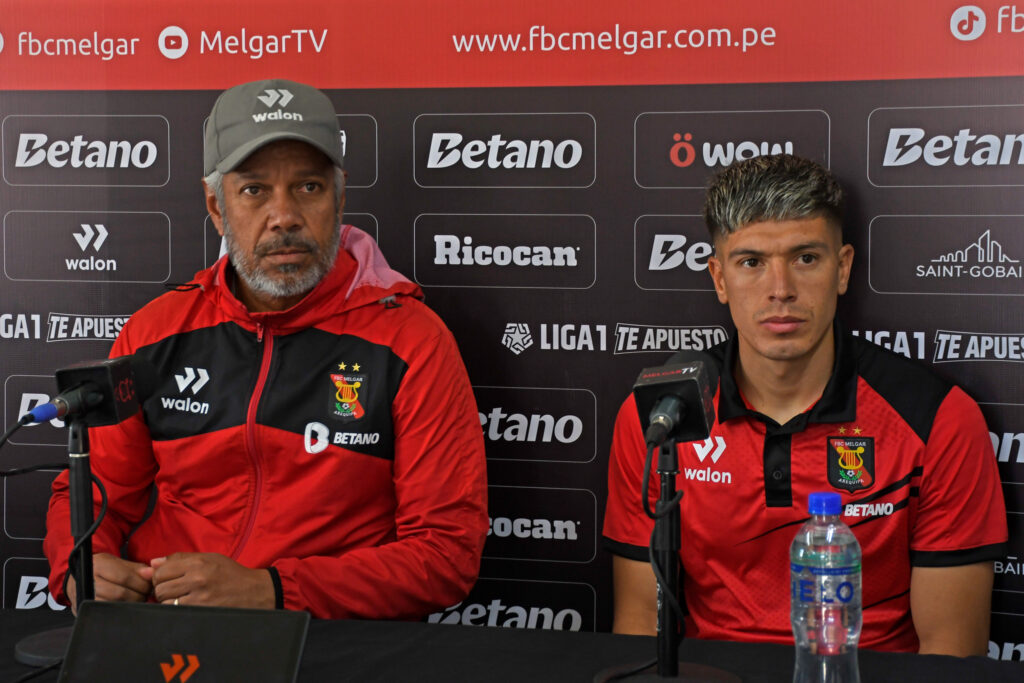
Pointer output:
978, 255
543, 251
87, 246
671, 253
505, 150
980, 146
682, 149
86, 150
541, 524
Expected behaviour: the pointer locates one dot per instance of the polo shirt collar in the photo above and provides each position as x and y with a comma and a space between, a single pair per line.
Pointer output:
838, 403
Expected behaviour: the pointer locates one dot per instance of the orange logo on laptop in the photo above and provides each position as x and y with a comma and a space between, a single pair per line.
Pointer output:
177, 663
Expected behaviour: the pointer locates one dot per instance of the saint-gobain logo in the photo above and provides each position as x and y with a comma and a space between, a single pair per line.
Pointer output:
967, 22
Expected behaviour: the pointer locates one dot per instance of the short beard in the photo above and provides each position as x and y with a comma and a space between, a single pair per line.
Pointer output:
290, 280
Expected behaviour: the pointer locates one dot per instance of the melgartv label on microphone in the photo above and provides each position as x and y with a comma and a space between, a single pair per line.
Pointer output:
26, 585
541, 524
505, 150
671, 253
544, 251
954, 255
946, 146
87, 246
682, 149
524, 603
22, 393
27, 493
538, 424
86, 150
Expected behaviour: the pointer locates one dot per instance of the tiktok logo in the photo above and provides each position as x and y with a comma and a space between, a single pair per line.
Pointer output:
682, 146
967, 22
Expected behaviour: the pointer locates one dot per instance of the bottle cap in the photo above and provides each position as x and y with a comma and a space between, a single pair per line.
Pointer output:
824, 504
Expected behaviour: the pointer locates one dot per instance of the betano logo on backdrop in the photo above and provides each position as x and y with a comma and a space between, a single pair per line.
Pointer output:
965, 146
671, 252
86, 150
505, 150
681, 149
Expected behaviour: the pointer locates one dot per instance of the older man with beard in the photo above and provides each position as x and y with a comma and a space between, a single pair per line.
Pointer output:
313, 442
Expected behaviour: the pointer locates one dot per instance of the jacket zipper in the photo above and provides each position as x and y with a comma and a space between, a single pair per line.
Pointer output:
252, 448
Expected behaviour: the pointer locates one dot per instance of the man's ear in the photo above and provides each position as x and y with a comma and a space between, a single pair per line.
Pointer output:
213, 208
718, 278
845, 264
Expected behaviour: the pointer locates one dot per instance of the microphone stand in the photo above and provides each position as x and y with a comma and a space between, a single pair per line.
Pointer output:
666, 545
48, 647
80, 500
667, 533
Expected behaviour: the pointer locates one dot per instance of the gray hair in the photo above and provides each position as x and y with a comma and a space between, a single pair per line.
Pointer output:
780, 187
215, 181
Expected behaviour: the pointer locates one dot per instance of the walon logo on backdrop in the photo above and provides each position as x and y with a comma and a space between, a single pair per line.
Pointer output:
505, 150
546, 251
946, 146
541, 524
538, 424
524, 603
86, 150
87, 246
682, 149
964, 255
671, 253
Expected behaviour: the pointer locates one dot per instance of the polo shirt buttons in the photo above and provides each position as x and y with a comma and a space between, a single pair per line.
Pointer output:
777, 474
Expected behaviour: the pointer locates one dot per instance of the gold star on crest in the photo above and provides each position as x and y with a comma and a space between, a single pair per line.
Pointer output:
342, 366
356, 367
842, 430
857, 430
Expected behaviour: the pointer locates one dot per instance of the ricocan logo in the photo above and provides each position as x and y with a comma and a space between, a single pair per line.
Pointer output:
173, 42
967, 22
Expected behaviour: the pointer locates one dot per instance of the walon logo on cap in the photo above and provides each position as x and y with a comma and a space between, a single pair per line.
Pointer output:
281, 98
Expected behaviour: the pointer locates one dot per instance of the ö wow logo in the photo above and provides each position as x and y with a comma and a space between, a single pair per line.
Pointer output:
683, 153
967, 22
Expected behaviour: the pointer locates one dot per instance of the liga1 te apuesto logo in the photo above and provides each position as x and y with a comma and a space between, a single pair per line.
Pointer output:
851, 460
347, 384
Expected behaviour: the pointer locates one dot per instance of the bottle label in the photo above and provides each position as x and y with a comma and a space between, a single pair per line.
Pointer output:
822, 588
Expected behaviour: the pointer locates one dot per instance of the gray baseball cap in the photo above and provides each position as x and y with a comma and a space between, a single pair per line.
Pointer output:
249, 116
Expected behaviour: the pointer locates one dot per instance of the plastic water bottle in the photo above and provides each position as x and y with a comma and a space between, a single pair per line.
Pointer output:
825, 598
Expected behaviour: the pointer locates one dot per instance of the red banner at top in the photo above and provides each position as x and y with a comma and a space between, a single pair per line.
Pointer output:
204, 44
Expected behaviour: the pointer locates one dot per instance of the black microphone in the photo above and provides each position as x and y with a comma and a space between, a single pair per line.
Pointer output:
101, 392
676, 400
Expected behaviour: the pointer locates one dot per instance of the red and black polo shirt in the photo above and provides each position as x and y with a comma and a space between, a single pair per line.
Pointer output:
909, 453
